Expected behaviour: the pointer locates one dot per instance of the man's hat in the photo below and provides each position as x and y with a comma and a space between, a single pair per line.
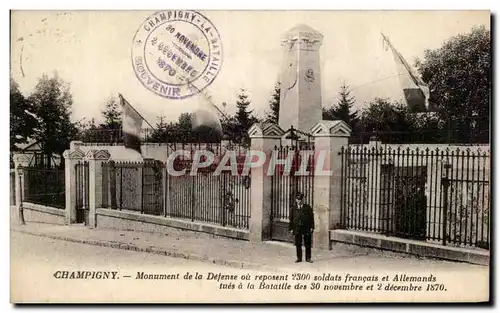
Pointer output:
299, 196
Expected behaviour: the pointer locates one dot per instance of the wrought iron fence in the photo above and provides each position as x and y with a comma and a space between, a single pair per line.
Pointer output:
216, 148
436, 136
437, 195
44, 186
208, 196
205, 196
111, 136
285, 185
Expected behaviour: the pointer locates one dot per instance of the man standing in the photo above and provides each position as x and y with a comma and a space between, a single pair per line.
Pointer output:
302, 226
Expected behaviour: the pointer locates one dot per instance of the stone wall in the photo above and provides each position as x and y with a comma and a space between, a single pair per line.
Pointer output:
42, 214
139, 222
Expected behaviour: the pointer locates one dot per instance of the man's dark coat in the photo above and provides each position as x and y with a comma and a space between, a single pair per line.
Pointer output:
301, 220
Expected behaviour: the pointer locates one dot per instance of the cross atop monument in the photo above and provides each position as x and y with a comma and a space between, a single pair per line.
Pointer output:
300, 98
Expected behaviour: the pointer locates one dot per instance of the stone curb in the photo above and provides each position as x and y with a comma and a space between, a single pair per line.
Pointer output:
154, 250
411, 247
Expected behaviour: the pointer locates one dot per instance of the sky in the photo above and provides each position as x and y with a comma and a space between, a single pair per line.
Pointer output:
91, 50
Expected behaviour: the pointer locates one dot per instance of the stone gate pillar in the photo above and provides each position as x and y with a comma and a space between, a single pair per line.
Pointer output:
95, 159
329, 138
71, 158
263, 138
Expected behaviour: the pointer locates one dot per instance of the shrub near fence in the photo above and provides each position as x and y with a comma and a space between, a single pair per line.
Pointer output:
44, 186
435, 195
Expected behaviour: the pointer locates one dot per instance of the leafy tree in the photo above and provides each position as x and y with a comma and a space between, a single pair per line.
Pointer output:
230, 127
183, 131
52, 103
459, 78
431, 128
206, 133
22, 120
112, 115
274, 105
107, 131
184, 128
87, 130
383, 117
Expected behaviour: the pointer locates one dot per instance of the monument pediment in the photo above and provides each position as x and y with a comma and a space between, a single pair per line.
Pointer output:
21, 159
265, 129
326, 128
74, 154
97, 155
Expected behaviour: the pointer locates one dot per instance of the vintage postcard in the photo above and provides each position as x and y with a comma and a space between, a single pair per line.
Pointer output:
208, 156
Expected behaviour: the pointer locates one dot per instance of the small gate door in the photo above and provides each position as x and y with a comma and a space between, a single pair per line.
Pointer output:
284, 187
82, 192
410, 202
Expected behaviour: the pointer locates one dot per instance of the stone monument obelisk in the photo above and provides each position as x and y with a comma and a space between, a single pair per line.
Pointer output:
300, 98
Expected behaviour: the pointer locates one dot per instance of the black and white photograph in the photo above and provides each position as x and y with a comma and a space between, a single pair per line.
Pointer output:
250, 156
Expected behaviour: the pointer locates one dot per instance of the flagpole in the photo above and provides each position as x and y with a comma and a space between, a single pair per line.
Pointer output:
401, 59
123, 99
204, 96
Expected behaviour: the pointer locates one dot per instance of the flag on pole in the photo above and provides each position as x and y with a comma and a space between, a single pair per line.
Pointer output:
207, 112
416, 91
131, 126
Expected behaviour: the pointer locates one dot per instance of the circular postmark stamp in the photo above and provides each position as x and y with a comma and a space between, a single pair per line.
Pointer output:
176, 53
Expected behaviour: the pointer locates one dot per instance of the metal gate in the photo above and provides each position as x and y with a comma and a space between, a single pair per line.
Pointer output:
286, 184
152, 188
82, 192
410, 202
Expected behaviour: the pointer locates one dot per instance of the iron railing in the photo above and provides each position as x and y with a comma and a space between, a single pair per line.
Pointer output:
434, 195
286, 184
44, 186
428, 136
147, 135
203, 196
111, 136
207, 196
